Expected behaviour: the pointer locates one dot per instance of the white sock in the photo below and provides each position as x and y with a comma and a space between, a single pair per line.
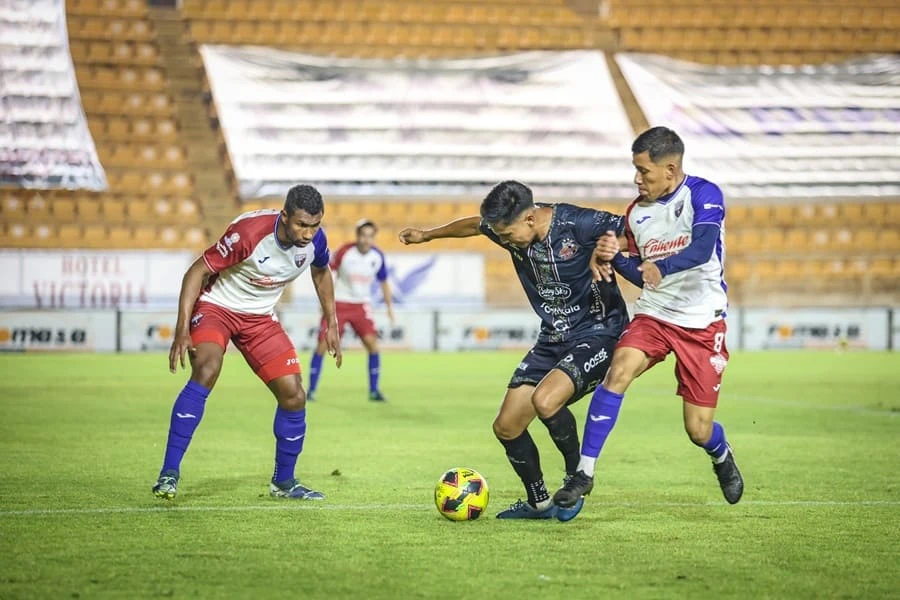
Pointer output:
586, 464
722, 458
544, 504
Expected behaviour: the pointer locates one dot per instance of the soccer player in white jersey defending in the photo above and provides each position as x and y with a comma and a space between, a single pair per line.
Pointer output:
356, 266
676, 253
229, 293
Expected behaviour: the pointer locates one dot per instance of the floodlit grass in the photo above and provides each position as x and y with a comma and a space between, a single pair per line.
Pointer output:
817, 436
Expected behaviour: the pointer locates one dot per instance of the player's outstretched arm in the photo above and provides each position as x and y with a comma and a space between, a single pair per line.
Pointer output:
388, 299
460, 228
191, 285
324, 284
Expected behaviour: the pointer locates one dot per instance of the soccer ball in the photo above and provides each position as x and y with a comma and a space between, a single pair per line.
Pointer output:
461, 494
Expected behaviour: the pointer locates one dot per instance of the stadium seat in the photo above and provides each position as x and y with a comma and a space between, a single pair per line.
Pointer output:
37, 208
889, 240
113, 210
96, 236
88, 209
13, 207
63, 209
69, 235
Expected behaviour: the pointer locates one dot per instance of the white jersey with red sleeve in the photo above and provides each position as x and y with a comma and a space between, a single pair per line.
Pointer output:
251, 267
695, 297
355, 272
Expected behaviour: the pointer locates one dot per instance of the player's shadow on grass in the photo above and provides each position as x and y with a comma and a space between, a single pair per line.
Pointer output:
223, 487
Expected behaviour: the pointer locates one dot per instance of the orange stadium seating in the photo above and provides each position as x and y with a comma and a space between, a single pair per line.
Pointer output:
152, 200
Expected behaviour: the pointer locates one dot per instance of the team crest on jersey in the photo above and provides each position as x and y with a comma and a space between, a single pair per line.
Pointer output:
568, 249
299, 260
718, 363
678, 208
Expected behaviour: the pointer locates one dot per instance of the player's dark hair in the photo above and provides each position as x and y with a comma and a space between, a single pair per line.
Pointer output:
658, 142
365, 223
506, 202
305, 198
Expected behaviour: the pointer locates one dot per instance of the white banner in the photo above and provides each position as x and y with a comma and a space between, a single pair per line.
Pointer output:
413, 330
419, 279
90, 279
895, 329
831, 328
449, 127
44, 138
88, 331
827, 130
149, 331
488, 330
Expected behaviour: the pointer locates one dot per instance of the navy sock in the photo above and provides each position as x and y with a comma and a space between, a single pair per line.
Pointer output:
564, 433
290, 431
522, 454
315, 369
716, 446
186, 415
374, 370
601, 417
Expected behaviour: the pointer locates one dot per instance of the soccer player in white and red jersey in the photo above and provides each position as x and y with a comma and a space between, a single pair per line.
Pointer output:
676, 253
356, 266
229, 294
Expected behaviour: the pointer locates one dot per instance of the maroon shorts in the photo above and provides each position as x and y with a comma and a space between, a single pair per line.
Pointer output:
700, 354
355, 314
260, 338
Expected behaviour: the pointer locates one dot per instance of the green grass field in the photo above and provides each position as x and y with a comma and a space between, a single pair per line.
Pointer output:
817, 436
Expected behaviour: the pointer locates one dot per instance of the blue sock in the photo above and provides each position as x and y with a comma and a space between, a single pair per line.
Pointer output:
716, 446
374, 371
290, 431
186, 415
602, 414
315, 369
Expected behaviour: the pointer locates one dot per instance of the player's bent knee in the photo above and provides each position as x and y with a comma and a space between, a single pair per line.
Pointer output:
505, 430
699, 430
618, 378
546, 402
293, 402
206, 371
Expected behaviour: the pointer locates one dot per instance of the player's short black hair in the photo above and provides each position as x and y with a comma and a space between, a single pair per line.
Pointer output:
505, 202
304, 197
658, 142
365, 223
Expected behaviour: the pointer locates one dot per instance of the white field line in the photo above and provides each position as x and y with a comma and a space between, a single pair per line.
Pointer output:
318, 506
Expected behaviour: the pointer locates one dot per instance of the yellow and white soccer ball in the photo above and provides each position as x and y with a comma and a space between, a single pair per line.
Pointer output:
461, 494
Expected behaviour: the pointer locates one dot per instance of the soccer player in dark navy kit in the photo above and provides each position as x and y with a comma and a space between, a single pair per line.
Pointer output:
550, 246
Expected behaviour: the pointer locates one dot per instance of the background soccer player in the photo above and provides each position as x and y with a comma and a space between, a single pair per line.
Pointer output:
356, 265
229, 293
550, 247
676, 252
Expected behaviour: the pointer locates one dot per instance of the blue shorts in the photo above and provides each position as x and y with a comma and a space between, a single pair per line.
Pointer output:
585, 361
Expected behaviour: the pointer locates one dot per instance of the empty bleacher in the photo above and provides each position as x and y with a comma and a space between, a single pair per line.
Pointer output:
152, 200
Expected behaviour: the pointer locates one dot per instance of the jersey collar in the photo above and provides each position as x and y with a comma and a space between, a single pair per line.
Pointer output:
665, 199
275, 235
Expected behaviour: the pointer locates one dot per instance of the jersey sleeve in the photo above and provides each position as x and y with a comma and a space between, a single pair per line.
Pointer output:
629, 234
322, 255
489, 233
381, 274
709, 205
338, 257
590, 225
232, 248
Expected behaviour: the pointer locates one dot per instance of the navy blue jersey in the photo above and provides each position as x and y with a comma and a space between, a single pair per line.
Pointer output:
556, 275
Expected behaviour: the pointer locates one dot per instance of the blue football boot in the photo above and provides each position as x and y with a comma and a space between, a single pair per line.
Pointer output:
522, 510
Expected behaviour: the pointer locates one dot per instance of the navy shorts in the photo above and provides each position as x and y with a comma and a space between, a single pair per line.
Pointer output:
585, 361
